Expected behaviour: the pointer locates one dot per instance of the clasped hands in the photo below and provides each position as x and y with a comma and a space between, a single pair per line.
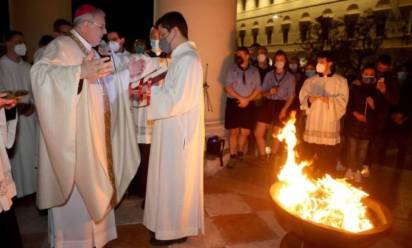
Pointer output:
313, 99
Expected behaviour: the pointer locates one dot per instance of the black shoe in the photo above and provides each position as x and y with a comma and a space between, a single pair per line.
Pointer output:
156, 242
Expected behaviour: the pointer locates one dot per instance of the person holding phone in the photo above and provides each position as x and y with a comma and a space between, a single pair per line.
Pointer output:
387, 87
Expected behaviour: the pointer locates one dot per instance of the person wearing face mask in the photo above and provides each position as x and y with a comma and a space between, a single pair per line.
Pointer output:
262, 64
157, 49
15, 75
116, 42
242, 86
387, 86
400, 123
324, 98
174, 196
262, 59
88, 149
253, 53
278, 90
365, 102
310, 70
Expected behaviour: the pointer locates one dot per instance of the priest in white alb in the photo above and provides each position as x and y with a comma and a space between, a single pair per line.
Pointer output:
88, 153
15, 75
174, 196
324, 98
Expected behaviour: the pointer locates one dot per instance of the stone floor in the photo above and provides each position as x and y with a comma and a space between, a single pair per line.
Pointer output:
239, 212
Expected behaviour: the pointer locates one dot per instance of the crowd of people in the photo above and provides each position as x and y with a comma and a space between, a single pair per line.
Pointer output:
79, 136
342, 126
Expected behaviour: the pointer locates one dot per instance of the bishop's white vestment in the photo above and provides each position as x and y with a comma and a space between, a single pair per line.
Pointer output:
75, 176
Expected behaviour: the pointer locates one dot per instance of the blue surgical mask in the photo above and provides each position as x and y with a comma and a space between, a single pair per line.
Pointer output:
310, 73
165, 46
293, 67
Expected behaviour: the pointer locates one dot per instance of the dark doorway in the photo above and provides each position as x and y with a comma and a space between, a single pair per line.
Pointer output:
4, 22
131, 18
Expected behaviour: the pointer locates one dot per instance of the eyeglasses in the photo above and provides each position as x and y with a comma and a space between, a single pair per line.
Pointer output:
101, 26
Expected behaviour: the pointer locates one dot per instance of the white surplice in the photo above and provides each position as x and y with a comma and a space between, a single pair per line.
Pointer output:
74, 176
7, 186
24, 158
174, 196
323, 118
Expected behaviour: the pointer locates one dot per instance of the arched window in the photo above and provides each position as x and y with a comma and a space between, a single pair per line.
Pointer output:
269, 31
242, 34
381, 10
327, 13
350, 19
305, 24
255, 31
285, 26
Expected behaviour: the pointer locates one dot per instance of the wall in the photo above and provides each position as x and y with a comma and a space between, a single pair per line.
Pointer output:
35, 18
294, 9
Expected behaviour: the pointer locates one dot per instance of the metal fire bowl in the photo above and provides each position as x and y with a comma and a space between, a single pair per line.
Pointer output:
320, 235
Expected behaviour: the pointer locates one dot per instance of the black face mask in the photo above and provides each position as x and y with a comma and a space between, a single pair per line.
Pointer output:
238, 60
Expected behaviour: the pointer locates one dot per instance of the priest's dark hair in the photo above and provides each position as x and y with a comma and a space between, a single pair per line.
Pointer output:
58, 23
174, 19
11, 34
325, 55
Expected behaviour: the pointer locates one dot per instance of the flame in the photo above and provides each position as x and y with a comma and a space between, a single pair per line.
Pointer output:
328, 201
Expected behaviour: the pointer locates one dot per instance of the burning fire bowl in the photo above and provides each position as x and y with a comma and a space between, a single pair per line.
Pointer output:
319, 235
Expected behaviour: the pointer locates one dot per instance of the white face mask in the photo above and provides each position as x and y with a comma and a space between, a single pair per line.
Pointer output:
279, 64
261, 58
20, 49
154, 44
320, 68
293, 67
114, 46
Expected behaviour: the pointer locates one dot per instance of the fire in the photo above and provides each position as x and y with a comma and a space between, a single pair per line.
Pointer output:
328, 201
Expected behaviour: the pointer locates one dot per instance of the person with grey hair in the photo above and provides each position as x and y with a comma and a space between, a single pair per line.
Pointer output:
82, 176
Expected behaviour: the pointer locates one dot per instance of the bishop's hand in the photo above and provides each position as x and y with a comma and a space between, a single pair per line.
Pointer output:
93, 69
7, 103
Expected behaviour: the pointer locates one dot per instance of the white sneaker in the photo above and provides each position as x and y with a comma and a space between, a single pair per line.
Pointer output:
358, 177
366, 171
349, 174
340, 167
